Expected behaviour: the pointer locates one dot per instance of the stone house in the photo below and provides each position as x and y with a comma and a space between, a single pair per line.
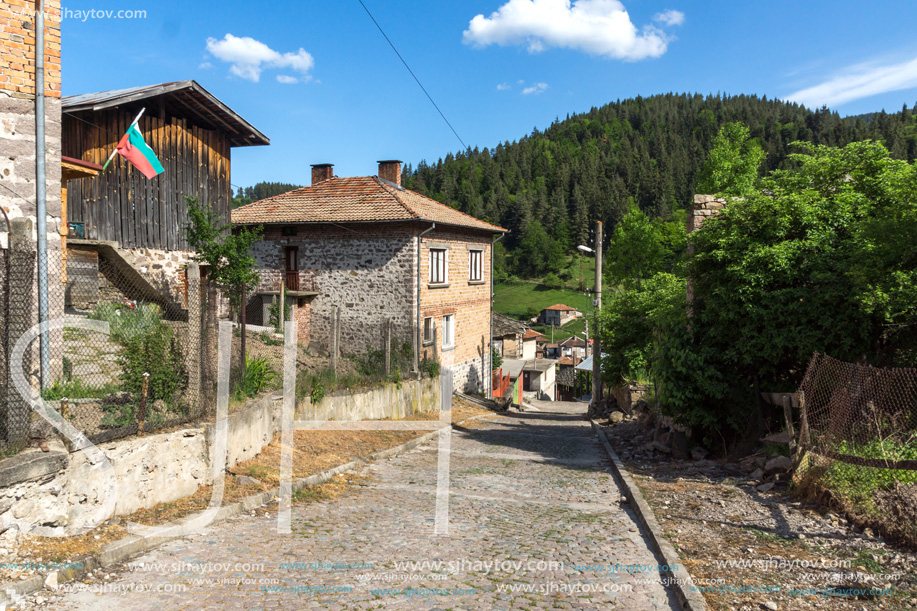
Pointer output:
557, 315
125, 233
371, 252
507, 336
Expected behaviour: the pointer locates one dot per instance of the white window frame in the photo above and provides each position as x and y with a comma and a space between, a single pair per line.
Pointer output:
439, 266
476, 271
448, 331
428, 330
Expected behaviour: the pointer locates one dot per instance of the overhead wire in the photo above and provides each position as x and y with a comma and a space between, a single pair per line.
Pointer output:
422, 88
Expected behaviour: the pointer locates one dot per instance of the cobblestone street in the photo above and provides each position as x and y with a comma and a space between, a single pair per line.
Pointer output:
535, 523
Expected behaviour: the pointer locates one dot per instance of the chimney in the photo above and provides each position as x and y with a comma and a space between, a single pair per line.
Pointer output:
390, 170
322, 172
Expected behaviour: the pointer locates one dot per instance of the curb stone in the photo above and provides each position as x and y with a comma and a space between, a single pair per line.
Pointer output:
679, 579
122, 549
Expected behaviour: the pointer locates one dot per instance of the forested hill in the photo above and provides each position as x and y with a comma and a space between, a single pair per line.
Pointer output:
585, 167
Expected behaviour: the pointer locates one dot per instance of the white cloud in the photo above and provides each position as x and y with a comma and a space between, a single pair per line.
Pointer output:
503, 87
670, 17
536, 89
205, 65
599, 27
859, 81
286, 79
249, 57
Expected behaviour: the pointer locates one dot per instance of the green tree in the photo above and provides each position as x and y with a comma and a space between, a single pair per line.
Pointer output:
732, 164
227, 253
641, 247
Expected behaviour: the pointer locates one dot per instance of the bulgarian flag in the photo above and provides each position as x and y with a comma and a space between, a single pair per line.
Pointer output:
133, 148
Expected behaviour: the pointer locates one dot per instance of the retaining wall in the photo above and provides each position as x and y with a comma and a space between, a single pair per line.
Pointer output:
59, 488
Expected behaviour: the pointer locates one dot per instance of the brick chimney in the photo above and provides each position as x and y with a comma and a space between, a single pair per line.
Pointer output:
322, 172
390, 170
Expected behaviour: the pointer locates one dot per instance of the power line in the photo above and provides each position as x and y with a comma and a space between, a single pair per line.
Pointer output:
429, 97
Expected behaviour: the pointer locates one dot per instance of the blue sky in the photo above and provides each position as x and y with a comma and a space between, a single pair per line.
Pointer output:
497, 68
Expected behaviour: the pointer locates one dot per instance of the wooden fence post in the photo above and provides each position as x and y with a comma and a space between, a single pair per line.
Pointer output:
141, 411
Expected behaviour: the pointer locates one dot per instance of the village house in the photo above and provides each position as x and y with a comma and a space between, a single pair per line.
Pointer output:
572, 346
530, 341
557, 315
370, 253
507, 336
123, 232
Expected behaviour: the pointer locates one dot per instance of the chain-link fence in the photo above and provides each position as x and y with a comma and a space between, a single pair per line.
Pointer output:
154, 369
859, 435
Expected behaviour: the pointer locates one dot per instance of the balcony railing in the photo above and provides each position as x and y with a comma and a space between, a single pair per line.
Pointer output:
272, 279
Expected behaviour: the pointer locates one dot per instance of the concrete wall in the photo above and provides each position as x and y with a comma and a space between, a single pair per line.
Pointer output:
58, 488
389, 401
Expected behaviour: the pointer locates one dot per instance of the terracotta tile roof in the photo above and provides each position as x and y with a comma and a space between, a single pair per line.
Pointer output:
355, 199
562, 307
530, 333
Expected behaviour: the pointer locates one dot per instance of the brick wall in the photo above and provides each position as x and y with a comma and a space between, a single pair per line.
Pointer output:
17, 113
17, 48
469, 301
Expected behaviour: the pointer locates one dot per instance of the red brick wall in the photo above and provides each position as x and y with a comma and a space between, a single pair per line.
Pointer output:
469, 301
17, 47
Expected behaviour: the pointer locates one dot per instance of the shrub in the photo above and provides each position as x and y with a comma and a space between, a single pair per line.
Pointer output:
126, 323
429, 367
157, 351
274, 314
258, 377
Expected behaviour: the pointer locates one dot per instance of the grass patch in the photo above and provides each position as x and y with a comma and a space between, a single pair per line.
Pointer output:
77, 389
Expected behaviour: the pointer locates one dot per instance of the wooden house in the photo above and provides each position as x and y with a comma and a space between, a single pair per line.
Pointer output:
135, 223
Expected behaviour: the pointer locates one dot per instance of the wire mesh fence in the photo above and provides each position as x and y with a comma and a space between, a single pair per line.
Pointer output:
859, 434
154, 368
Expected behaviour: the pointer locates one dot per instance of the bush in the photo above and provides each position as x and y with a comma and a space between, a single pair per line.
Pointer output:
126, 323
274, 314
257, 378
429, 367
157, 351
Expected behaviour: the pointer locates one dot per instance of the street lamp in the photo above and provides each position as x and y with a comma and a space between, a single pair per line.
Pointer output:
584, 248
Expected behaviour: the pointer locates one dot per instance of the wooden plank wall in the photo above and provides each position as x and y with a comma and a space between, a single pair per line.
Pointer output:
122, 205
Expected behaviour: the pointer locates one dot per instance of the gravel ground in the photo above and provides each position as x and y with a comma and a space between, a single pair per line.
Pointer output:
751, 545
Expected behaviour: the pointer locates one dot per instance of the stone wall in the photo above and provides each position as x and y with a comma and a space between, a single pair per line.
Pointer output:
704, 207
389, 401
58, 488
366, 272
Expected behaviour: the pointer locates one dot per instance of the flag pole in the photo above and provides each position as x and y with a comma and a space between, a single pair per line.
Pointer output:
115, 152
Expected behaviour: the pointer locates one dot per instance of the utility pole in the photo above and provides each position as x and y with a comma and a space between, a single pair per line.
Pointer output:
596, 348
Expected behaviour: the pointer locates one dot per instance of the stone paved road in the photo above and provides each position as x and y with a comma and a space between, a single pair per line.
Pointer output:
527, 490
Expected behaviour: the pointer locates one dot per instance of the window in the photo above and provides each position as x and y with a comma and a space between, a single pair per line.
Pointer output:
428, 330
448, 330
288, 230
475, 269
439, 269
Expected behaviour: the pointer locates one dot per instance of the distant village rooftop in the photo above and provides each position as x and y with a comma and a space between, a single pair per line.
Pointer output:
359, 199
